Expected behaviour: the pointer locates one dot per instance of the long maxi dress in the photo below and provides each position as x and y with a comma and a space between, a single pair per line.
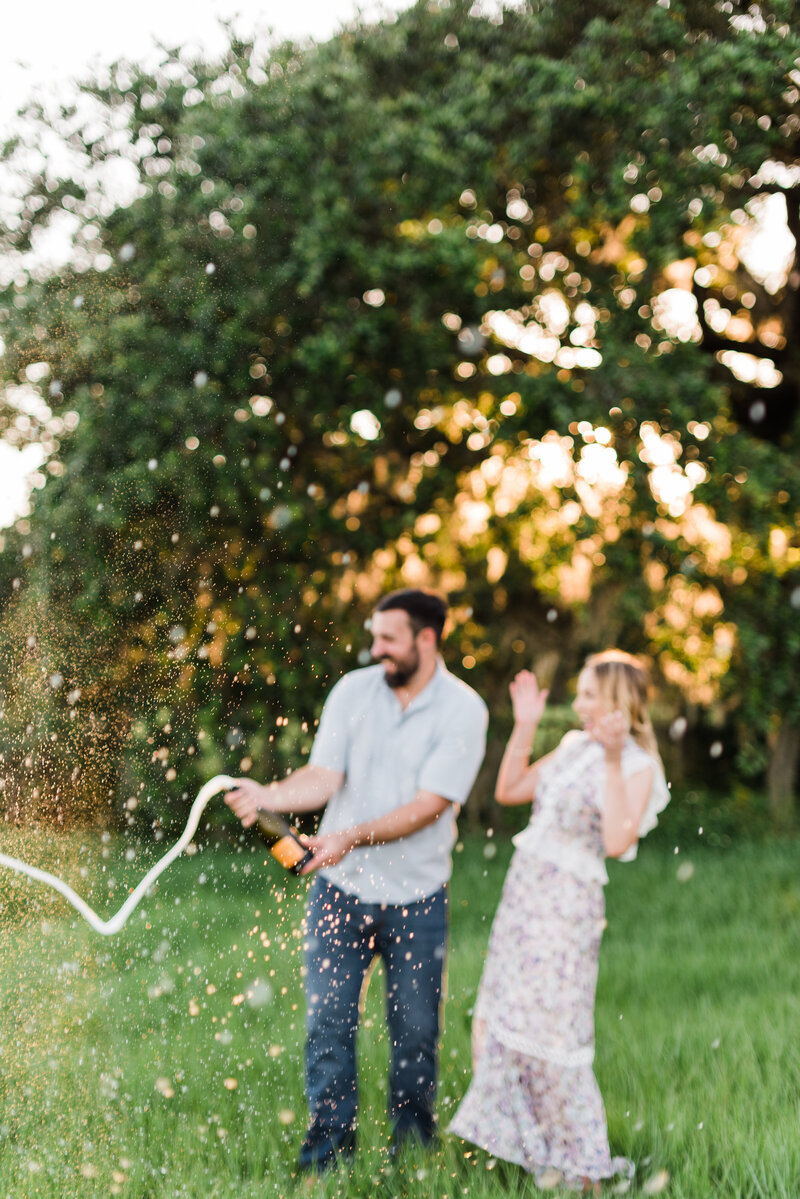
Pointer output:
534, 1099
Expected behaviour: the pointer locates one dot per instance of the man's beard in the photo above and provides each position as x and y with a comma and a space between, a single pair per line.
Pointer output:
405, 669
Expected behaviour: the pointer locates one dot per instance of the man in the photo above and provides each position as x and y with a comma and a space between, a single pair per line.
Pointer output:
397, 751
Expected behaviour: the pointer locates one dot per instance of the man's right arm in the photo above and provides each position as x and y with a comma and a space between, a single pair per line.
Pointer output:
305, 790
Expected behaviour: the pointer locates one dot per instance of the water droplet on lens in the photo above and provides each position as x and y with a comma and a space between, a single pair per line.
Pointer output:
678, 728
656, 1183
471, 341
280, 517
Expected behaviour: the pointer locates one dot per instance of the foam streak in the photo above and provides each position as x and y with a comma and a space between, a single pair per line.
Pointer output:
220, 782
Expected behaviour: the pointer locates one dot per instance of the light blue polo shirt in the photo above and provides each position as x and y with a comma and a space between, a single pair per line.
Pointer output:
388, 754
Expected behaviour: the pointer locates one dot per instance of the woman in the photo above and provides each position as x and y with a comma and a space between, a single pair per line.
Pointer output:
534, 1099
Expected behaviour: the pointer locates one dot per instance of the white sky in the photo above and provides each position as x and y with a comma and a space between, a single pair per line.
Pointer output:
49, 41
45, 44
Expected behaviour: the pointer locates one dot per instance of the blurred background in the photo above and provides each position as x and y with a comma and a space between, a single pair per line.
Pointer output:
500, 300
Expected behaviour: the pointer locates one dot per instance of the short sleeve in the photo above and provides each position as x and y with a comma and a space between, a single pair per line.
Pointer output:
330, 744
452, 765
656, 801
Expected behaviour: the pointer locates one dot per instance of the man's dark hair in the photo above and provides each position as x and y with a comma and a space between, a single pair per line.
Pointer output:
425, 609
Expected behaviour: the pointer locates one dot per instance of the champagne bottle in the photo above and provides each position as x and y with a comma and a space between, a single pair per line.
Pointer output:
284, 844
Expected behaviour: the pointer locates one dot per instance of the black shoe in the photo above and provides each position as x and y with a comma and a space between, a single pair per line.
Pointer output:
327, 1152
410, 1138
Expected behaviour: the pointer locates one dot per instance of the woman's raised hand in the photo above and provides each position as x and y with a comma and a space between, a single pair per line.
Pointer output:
527, 698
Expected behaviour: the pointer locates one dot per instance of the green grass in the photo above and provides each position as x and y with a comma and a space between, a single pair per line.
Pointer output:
132, 1065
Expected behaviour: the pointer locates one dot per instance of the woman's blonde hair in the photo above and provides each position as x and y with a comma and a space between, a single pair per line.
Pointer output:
623, 684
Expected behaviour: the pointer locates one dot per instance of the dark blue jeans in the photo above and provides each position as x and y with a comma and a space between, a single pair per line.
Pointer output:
343, 935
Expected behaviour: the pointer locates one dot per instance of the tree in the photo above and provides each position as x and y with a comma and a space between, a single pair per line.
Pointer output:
396, 308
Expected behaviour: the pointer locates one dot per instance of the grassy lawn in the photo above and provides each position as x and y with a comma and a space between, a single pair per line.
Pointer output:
167, 1060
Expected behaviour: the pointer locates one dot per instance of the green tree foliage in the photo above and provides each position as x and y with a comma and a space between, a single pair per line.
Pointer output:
391, 309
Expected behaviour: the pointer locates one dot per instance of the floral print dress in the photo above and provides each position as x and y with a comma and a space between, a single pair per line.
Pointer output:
534, 1099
